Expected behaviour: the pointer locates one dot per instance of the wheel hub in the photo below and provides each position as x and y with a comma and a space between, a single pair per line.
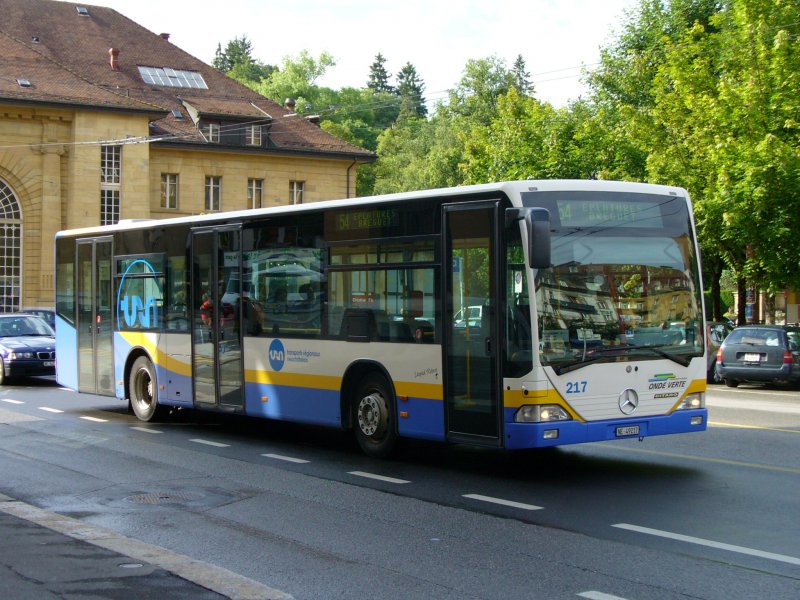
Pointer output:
372, 415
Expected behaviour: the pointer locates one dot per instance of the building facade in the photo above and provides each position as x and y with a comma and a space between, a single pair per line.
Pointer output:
102, 120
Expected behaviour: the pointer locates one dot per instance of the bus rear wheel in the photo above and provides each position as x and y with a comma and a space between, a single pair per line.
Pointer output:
373, 417
143, 390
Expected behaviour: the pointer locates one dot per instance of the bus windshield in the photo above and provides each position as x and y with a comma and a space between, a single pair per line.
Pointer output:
624, 283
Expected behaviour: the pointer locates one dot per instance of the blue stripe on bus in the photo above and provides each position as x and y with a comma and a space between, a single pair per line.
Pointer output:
531, 435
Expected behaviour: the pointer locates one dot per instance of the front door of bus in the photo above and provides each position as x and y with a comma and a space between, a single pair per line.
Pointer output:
216, 318
471, 363
95, 334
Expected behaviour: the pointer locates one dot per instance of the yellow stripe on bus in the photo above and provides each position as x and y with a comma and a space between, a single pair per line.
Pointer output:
162, 359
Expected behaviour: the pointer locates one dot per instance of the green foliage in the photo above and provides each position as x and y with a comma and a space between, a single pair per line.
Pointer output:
237, 62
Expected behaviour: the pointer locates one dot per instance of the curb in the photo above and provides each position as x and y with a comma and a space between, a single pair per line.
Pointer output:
211, 577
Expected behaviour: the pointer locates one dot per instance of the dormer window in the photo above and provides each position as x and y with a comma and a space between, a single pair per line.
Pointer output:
210, 131
252, 135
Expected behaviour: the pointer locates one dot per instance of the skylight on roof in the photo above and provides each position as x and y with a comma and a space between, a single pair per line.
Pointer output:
24, 82
172, 77
82, 11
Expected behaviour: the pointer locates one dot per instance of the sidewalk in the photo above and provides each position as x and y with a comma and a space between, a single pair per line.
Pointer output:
44, 555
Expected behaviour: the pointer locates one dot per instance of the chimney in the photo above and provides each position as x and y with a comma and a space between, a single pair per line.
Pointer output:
113, 54
290, 104
164, 36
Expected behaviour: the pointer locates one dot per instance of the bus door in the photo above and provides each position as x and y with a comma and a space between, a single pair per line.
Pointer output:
216, 318
95, 333
471, 316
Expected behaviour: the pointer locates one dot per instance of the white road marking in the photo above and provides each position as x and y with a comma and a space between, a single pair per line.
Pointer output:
757, 405
146, 430
95, 419
503, 502
10, 401
290, 459
208, 443
378, 477
52, 410
592, 595
710, 543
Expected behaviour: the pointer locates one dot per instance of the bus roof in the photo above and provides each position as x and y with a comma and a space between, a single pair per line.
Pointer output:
511, 189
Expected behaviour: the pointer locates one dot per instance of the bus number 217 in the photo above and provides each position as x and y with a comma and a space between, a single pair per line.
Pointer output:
576, 387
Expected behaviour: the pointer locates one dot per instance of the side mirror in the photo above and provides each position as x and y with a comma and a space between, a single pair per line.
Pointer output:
537, 224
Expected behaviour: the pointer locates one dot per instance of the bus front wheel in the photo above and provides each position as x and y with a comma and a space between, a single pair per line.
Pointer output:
142, 389
373, 417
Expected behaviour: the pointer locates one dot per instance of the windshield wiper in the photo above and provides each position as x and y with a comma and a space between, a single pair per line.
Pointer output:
577, 364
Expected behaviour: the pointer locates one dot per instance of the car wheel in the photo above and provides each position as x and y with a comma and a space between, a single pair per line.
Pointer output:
731, 382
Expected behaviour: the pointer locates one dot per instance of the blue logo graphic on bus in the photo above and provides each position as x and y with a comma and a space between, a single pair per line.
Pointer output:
133, 311
277, 355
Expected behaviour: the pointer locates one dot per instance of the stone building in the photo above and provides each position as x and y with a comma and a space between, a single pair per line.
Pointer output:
102, 120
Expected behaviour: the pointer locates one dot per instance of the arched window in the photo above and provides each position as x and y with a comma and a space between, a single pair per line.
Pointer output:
10, 249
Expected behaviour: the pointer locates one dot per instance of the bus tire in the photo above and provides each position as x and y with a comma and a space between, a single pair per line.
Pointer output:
143, 389
373, 416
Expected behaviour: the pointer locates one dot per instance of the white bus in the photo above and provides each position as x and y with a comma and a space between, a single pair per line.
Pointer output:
351, 314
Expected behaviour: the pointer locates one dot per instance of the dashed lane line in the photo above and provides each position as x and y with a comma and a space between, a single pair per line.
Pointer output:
94, 419
147, 430
593, 595
210, 443
10, 401
503, 502
50, 410
709, 543
378, 477
291, 459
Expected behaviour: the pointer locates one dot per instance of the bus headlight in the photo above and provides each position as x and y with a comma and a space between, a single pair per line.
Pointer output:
540, 413
693, 401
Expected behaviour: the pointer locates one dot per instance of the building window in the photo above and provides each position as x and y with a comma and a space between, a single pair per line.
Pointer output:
210, 131
109, 207
10, 249
255, 190
169, 190
296, 189
110, 177
252, 135
172, 77
213, 193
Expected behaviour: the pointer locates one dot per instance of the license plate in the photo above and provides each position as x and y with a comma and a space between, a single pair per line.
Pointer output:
749, 357
49, 363
631, 430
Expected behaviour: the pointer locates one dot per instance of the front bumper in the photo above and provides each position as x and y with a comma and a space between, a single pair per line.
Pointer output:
518, 436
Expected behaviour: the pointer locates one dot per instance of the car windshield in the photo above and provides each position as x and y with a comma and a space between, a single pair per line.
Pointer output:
24, 325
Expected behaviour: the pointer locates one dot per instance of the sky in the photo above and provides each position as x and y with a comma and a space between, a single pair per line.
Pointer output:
556, 38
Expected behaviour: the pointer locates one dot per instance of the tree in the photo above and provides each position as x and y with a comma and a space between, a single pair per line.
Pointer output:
379, 76
410, 89
296, 79
522, 81
237, 62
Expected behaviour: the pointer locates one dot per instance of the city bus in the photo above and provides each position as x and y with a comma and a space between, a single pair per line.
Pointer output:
512, 315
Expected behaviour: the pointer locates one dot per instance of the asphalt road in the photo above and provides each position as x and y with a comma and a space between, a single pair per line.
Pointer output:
709, 515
